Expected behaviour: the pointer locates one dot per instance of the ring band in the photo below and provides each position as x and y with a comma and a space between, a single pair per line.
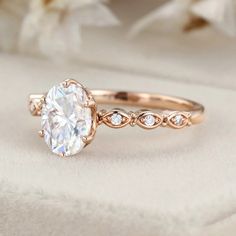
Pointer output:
70, 117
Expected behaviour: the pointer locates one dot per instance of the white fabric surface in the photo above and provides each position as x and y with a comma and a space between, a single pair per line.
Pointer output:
127, 182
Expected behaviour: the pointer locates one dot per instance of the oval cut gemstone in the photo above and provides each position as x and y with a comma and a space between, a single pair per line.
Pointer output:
66, 119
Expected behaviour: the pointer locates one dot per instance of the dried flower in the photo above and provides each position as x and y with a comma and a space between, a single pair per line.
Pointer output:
188, 15
53, 27
49, 27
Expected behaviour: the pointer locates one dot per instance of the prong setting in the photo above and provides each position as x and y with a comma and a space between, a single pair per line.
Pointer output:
36, 103
82, 127
91, 103
66, 83
41, 133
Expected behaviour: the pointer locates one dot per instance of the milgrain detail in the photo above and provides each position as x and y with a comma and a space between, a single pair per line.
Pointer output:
146, 119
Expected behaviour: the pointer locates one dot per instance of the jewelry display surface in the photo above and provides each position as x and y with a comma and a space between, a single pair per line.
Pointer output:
171, 182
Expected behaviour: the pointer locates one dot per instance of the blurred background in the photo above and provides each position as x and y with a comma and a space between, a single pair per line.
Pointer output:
193, 40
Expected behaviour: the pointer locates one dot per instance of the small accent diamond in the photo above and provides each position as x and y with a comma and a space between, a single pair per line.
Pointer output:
116, 119
149, 120
178, 120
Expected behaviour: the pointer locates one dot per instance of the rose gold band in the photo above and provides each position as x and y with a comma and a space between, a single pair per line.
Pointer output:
172, 112
153, 101
70, 114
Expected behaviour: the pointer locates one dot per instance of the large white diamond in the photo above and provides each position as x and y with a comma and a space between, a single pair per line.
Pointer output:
65, 119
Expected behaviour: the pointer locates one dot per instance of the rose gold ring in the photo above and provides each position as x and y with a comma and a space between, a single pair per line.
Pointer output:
69, 115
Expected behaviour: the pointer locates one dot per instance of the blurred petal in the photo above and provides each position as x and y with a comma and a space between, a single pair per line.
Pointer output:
52, 27
97, 15
221, 14
11, 15
172, 14
191, 14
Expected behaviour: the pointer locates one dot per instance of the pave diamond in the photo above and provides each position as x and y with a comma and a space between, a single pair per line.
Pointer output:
149, 120
65, 119
116, 119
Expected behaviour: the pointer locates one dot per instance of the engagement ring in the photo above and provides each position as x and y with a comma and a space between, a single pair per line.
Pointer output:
69, 115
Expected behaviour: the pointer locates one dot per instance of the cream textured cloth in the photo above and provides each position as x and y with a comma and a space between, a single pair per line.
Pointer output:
127, 182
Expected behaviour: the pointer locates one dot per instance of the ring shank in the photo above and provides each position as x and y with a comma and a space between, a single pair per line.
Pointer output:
148, 100
145, 100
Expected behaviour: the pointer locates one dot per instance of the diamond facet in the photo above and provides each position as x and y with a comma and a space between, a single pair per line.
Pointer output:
66, 119
116, 119
149, 120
